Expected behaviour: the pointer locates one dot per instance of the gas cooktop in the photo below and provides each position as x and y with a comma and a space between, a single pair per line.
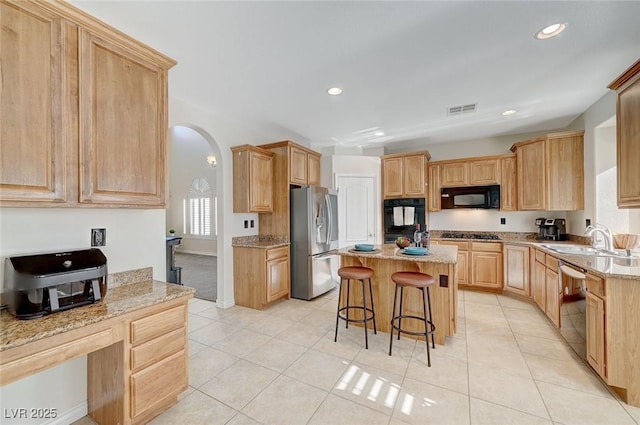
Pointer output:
456, 235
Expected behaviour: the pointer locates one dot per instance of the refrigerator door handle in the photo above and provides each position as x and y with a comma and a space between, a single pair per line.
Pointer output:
324, 256
329, 217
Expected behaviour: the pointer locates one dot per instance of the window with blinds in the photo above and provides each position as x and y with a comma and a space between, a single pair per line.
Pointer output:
200, 210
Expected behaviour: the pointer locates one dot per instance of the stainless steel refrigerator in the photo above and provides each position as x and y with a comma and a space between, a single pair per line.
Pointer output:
314, 232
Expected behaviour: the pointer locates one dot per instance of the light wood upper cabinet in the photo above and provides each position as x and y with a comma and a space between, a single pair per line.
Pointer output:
297, 165
313, 169
470, 172
88, 112
454, 174
628, 131
516, 269
550, 172
434, 187
252, 179
403, 175
484, 172
508, 186
123, 121
32, 164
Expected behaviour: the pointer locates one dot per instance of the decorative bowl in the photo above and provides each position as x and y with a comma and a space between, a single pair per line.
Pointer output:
364, 247
403, 242
626, 241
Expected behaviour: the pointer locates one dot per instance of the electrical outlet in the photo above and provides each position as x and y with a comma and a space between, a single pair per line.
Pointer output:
503, 220
98, 237
246, 224
252, 224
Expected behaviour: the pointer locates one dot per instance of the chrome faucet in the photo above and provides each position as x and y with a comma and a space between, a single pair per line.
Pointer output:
606, 232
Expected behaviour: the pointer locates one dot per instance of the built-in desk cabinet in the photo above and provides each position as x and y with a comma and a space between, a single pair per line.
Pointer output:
92, 132
252, 179
627, 87
403, 175
550, 172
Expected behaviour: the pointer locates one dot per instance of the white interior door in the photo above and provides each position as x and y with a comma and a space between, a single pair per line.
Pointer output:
357, 212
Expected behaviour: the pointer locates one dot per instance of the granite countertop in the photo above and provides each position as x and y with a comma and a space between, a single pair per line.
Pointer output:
437, 254
260, 241
118, 301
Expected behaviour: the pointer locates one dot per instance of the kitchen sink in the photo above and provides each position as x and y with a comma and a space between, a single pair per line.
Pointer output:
571, 249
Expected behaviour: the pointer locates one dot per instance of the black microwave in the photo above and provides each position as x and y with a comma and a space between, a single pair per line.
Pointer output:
485, 197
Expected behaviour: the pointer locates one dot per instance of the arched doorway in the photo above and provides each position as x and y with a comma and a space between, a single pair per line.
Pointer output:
192, 206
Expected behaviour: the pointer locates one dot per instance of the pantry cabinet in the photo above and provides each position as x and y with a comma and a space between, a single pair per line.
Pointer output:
627, 87
516, 269
404, 175
92, 132
550, 172
261, 275
252, 179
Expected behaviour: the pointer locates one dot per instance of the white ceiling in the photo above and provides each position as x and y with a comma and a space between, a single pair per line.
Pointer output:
400, 64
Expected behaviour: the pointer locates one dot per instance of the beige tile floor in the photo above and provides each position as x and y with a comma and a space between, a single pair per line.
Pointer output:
506, 365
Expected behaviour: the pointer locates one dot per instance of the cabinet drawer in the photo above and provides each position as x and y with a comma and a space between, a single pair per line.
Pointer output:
156, 325
486, 246
282, 251
158, 348
551, 262
156, 383
595, 285
462, 246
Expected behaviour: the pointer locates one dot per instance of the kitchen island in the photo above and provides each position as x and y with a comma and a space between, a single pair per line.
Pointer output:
388, 259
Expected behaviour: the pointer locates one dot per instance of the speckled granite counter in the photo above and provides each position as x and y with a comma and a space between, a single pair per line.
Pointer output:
260, 241
118, 301
440, 263
437, 254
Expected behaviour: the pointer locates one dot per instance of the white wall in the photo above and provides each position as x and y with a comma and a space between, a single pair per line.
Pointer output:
135, 239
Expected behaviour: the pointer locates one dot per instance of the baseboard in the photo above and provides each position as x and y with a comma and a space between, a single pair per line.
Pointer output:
207, 254
225, 304
71, 415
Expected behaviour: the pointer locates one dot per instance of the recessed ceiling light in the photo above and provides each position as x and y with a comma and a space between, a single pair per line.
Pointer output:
379, 133
334, 91
550, 31
509, 112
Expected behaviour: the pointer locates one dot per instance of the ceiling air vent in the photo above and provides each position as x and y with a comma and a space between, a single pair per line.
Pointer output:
462, 109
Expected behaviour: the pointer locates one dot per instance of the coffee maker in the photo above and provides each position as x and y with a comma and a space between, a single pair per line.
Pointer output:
551, 229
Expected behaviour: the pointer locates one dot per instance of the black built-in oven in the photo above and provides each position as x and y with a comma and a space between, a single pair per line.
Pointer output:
401, 216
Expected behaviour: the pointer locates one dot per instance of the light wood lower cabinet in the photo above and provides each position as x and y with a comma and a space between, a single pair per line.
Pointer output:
158, 362
553, 296
479, 264
516, 269
596, 341
261, 276
539, 285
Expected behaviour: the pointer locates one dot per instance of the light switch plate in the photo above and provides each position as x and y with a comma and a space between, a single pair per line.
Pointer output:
98, 237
